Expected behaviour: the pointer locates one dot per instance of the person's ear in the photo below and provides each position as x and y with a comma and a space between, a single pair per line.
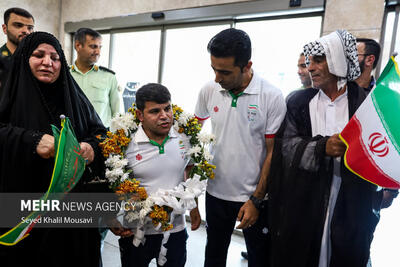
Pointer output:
247, 68
370, 60
4, 26
139, 115
77, 46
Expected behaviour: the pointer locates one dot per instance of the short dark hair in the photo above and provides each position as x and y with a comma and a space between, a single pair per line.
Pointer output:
231, 43
18, 11
154, 92
371, 48
81, 33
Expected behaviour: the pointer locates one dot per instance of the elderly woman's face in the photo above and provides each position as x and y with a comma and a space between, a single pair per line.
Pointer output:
45, 63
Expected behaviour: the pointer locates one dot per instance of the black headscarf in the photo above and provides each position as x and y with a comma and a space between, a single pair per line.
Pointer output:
28, 107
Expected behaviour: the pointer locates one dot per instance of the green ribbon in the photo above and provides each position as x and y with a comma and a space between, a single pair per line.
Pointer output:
234, 98
160, 147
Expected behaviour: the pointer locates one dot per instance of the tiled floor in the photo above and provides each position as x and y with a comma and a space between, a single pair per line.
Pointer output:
195, 250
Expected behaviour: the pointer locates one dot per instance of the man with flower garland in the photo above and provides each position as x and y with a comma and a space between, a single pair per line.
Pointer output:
158, 156
246, 111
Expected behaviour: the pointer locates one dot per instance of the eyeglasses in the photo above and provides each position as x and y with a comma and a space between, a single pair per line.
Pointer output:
364, 54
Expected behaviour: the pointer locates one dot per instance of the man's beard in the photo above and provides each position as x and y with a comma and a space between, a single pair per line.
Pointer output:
13, 39
362, 65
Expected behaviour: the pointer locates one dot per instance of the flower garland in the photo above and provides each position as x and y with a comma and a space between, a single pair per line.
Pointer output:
159, 206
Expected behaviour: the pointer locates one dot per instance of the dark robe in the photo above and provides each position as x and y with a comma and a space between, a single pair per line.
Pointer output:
5, 63
27, 108
299, 190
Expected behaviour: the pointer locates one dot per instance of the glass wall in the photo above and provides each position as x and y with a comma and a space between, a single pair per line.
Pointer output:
391, 42
277, 45
135, 59
187, 62
135, 56
177, 56
105, 50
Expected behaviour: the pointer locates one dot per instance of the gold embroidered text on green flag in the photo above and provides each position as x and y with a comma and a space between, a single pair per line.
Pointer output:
68, 169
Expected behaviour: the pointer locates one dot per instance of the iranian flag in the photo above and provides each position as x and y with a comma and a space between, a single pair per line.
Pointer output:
372, 135
68, 169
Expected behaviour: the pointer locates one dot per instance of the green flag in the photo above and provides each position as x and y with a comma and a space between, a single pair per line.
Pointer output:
68, 169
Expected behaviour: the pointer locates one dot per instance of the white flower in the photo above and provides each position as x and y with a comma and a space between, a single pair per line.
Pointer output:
208, 156
206, 138
132, 216
116, 161
110, 177
129, 120
184, 118
111, 159
116, 123
120, 163
195, 151
114, 174
125, 122
146, 208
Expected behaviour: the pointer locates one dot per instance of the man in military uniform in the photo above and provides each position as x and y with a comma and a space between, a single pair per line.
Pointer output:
97, 82
18, 23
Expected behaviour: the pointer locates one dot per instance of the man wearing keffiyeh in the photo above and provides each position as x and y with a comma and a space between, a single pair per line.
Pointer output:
321, 214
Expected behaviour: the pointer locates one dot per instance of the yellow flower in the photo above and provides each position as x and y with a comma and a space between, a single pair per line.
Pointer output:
168, 227
142, 193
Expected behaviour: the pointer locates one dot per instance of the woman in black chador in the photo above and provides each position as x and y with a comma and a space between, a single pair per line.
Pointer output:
39, 89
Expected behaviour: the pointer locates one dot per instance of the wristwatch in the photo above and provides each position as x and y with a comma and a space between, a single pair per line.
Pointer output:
258, 202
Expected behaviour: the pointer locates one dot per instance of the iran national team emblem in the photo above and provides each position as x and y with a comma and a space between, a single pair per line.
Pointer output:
138, 157
378, 144
216, 109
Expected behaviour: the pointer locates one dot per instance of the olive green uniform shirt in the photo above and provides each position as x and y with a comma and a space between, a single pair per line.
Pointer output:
101, 88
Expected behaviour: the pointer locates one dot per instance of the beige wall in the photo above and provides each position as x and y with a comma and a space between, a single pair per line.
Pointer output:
363, 18
45, 12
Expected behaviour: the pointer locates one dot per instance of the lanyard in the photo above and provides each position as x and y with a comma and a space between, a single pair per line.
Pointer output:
234, 98
160, 147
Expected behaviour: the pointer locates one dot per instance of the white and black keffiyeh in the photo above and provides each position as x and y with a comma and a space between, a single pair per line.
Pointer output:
340, 50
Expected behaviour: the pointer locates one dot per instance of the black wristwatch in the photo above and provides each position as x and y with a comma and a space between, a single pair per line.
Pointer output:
258, 202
